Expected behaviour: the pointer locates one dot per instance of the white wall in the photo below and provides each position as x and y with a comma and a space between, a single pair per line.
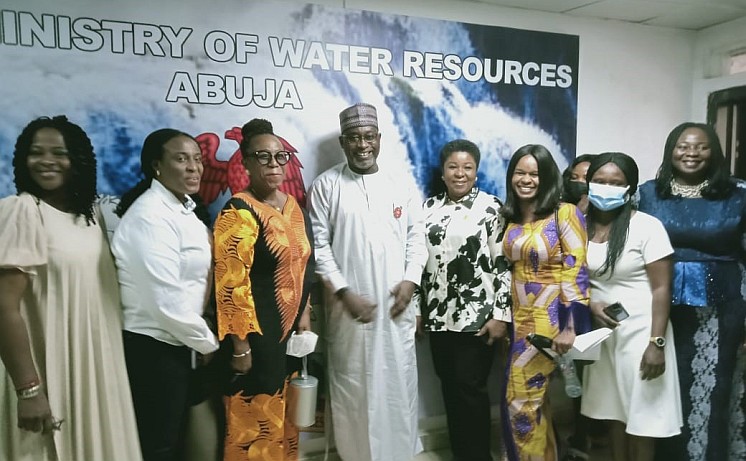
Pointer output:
635, 82
712, 48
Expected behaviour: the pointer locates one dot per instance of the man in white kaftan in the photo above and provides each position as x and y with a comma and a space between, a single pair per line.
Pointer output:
370, 251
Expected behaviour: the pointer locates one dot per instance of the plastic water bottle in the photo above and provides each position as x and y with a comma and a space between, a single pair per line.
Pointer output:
573, 388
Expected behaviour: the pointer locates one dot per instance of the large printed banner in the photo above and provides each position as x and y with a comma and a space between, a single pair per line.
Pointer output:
123, 69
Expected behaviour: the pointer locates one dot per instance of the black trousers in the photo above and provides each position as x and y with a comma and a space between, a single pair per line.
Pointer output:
159, 379
462, 362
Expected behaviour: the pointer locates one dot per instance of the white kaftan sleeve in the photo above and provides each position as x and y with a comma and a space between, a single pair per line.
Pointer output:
326, 265
416, 249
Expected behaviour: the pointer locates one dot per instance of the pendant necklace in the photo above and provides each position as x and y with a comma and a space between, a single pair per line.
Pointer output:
265, 201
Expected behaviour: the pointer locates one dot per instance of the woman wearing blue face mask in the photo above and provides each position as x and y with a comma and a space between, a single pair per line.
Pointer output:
634, 384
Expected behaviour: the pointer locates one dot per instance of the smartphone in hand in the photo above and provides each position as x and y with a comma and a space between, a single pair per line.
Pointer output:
616, 311
539, 341
542, 343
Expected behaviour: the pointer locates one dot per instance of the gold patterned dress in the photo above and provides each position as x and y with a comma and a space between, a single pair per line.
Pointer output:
550, 284
263, 264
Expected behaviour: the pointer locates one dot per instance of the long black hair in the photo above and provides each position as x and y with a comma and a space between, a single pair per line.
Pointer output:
81, 185
719, 184
550, 183
152, 150
620, 223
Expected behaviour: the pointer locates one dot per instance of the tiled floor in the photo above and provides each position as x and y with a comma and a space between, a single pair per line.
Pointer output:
435, 438
597, 454
563, 417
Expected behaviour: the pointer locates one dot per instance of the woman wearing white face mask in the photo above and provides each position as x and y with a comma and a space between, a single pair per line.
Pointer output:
634, 384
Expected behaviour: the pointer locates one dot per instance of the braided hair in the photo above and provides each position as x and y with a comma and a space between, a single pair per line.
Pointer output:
81, 185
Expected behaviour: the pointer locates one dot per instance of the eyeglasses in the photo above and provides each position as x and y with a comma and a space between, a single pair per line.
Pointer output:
265, 157
684, 147
354, 139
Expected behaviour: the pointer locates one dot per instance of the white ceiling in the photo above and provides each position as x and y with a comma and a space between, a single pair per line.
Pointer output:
680, 14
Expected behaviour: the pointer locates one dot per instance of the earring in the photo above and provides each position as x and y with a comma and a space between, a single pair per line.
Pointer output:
157, 173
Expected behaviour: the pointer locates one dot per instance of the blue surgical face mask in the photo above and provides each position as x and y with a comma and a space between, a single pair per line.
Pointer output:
605, 197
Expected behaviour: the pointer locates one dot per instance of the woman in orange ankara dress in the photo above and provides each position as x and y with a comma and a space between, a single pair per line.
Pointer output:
263, 264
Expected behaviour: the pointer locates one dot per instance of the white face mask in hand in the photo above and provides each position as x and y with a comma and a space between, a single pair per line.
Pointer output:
302, 344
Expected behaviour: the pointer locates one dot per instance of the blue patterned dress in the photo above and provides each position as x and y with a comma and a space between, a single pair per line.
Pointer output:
707, 315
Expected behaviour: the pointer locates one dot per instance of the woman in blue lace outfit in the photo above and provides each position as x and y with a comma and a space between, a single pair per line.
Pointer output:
704, 213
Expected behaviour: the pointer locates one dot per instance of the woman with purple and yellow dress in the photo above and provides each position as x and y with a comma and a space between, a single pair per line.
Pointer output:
546, 243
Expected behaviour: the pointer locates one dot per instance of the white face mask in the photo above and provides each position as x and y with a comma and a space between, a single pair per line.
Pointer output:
605, 197
302, 344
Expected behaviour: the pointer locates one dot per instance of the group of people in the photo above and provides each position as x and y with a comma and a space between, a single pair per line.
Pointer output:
100, 340
668, 384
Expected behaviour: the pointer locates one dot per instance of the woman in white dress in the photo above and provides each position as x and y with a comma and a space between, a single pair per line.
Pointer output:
634, 384
64, 394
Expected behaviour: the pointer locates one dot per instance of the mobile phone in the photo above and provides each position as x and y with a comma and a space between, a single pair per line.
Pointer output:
616, 311
542, 343
539, 341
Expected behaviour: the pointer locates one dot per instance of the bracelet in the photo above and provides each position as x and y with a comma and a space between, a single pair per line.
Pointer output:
32, 383
29, 392
242, 354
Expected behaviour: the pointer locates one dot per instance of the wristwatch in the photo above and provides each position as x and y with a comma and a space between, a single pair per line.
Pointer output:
659, 341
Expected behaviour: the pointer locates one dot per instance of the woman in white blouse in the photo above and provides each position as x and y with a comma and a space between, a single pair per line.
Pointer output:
465, 295
163, 257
